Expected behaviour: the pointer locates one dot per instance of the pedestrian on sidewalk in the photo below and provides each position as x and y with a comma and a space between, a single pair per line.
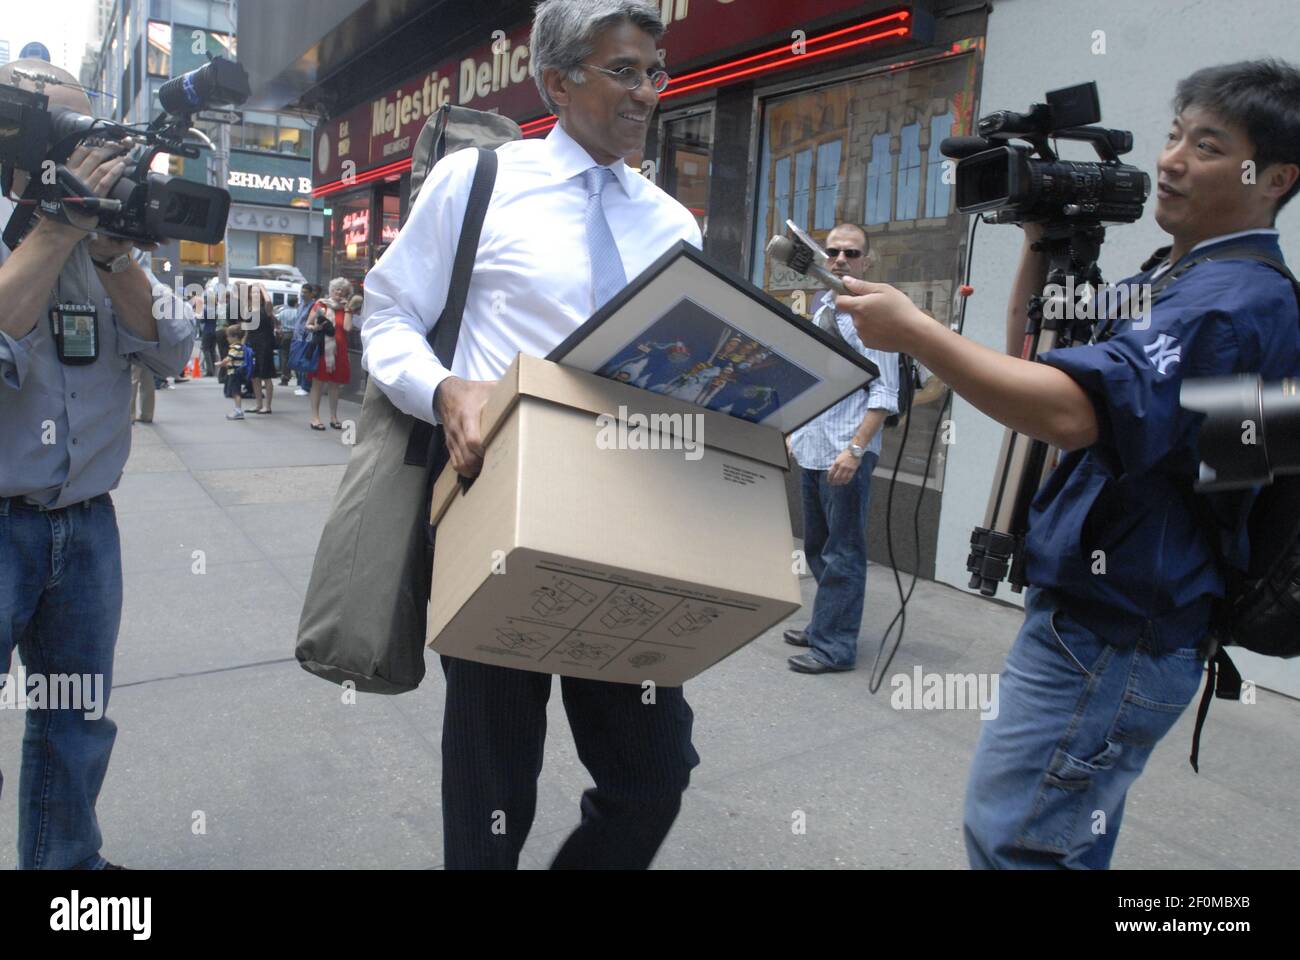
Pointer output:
572, 222
60, 551
306, 302
836, 454
263, 338
331, 322
1104, 665
143, 392
209, 357
234, 367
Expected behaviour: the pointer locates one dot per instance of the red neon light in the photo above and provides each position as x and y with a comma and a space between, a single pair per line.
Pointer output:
764, 68
899, 15
398, 167
537, 131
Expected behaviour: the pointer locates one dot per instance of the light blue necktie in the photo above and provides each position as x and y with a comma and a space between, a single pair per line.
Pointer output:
607, 276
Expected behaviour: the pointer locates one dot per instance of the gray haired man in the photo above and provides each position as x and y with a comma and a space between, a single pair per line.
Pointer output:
569, 223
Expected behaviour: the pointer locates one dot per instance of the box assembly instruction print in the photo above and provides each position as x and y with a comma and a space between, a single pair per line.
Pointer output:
696, 356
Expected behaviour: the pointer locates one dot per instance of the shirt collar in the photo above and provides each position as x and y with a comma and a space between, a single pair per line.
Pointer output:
1256, 232
569, 158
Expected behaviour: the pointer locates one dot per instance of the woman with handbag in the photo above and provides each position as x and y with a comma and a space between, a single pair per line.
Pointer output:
329, 324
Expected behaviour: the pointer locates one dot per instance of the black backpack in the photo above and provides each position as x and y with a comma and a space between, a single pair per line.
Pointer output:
1261, 609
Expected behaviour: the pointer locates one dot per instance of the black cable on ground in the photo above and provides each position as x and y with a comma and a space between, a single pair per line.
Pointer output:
877, 669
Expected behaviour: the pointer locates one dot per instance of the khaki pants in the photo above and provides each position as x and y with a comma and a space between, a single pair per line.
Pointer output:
142, 390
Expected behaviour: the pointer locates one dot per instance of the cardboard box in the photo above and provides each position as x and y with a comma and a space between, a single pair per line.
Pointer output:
577, 552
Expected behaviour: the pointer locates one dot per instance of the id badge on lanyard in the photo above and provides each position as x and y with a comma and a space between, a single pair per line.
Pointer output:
75, 327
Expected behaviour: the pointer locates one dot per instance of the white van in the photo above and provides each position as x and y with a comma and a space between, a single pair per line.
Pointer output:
284, 293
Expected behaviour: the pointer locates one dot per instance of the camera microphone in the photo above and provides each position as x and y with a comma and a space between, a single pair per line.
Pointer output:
219, 81
958, 147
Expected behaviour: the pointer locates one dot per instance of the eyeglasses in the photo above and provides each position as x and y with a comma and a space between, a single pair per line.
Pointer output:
630, 77
832, 253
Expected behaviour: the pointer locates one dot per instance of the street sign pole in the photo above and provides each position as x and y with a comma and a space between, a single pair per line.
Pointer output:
223, 177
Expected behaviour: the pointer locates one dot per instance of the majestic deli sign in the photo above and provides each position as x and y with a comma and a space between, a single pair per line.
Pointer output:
498, 76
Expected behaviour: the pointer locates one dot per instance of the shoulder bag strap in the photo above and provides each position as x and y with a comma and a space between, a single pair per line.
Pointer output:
422, 448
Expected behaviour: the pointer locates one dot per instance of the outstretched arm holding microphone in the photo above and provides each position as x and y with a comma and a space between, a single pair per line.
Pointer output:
1031, 398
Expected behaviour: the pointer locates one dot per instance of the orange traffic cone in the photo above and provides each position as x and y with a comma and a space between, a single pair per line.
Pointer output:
195, 370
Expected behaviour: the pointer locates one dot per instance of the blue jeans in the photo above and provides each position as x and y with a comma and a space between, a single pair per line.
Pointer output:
60, 604
1076, 721
835, 544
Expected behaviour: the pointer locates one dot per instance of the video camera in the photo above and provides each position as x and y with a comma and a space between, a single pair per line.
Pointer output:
143, 206
1007, 181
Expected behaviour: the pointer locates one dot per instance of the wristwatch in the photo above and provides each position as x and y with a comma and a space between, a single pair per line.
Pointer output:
856, 452
118, 264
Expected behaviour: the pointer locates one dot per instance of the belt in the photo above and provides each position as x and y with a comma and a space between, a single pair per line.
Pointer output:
24, 503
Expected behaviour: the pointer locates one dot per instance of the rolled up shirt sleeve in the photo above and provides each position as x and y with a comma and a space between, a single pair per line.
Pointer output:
1134, 378
407, 290
167, 355
15, 357
882, 392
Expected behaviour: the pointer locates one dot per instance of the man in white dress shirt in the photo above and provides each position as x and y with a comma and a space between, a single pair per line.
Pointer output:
568, 225
837, 453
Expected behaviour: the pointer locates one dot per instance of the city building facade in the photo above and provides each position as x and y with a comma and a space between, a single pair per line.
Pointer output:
272, 217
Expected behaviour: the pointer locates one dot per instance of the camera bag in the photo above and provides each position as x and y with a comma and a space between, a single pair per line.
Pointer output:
1261, 609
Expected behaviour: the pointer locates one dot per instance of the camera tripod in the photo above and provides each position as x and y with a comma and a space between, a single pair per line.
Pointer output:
998, 547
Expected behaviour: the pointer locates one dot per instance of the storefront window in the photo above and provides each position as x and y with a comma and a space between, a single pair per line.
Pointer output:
687, 152
159, 57
348, 236
865, 151
275, 248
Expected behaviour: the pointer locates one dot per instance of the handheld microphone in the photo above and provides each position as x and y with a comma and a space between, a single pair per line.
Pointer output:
801, 254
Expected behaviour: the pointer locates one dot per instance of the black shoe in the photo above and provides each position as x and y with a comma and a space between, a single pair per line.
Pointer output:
807, 663
796, 638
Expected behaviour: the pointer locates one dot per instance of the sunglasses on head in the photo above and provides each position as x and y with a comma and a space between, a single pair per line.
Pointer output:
850, 253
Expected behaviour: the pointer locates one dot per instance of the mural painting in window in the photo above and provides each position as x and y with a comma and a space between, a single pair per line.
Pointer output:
866, 150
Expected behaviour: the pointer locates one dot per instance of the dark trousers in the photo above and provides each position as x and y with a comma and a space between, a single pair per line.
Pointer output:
494, 732
284, 360
208, 351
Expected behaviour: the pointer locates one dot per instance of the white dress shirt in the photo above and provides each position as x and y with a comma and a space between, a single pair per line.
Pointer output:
816, 444
531, 286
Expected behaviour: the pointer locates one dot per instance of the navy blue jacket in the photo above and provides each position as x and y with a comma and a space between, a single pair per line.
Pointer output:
1128, 495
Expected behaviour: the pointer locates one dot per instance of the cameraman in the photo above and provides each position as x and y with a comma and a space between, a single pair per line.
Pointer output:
66, 432
1110, 655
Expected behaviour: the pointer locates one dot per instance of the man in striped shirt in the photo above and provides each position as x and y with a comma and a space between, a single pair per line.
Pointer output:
837, 453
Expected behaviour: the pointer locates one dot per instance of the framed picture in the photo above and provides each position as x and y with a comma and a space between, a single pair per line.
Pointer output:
688, 329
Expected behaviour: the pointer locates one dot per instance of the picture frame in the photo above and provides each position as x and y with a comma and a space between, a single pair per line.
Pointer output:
690, 329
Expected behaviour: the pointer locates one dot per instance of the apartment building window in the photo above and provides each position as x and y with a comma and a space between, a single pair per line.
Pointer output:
158, 58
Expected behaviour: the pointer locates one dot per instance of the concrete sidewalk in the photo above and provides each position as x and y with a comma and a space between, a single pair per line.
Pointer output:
219, 725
